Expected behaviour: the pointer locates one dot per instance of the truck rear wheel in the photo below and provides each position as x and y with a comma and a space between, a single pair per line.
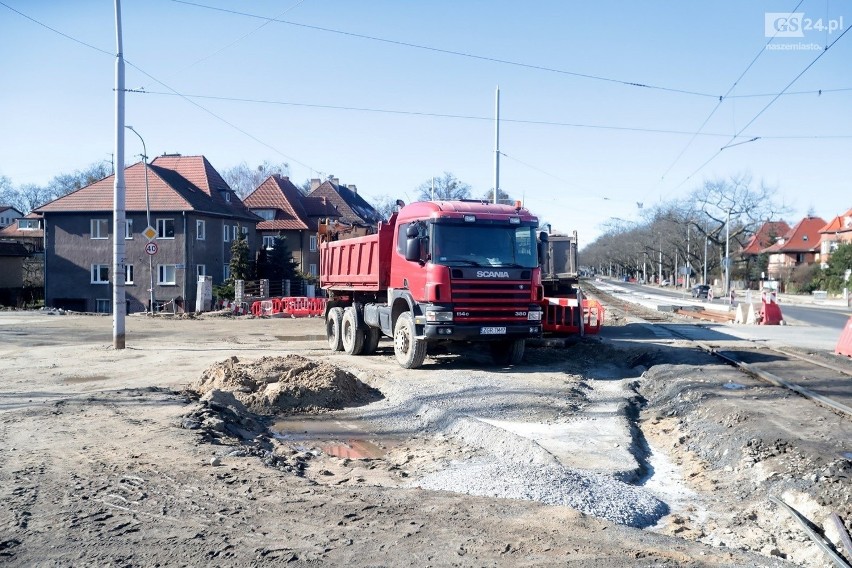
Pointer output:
410, 351
332, 329
371, 340
351, 335
508, 352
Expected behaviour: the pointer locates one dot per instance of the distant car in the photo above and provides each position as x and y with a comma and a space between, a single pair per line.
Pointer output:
700, 291
665, 283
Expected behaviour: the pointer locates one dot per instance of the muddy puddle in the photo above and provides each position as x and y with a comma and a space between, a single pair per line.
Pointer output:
78, 380
316, 337
350, 438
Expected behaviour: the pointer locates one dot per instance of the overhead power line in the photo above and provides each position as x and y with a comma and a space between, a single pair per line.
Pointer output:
173, 91
764, 109
456, 53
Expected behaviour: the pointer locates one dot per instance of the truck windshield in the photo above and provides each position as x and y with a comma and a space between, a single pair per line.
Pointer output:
483, 245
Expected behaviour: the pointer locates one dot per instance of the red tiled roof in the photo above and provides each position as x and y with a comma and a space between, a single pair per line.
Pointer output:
168, 190
351, 206
839, 224
766, 236
804, 237
279, 194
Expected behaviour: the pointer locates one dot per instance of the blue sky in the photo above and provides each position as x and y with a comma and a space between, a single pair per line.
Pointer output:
578, 150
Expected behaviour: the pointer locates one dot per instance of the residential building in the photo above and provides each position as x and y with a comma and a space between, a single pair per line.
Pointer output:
8, 214
13, 255
288, 213
800, 245
352, 208
766, 236
26, 230
835, 233
194, 218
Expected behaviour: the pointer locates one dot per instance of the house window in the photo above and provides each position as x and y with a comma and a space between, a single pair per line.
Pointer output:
226, 272
27, 224
165, 228
313, 243
265, 214
268, 242
100, 228
128, 274
103, 306
236, 232
200, 230
226, 233
167, 274
227, 196
100, 274
201, 270
245, 230
312, 269
128, 228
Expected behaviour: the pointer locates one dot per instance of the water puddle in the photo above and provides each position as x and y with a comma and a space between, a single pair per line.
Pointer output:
300, 337
350, 438
733, 386
846, 455
78, 380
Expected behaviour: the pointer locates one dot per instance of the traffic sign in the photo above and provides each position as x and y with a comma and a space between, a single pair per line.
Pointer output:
149, 233
151, 248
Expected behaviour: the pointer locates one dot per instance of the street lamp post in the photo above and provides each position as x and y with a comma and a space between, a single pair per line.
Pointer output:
728, 253
148, 217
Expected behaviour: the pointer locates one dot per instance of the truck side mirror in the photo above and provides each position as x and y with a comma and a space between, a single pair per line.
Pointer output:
412, 248
542, 248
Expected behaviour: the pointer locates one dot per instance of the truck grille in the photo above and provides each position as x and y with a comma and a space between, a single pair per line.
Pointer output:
481, 301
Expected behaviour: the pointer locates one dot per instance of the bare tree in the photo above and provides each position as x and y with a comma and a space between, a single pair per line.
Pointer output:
385, 205
502, 197
244, 179
446, 188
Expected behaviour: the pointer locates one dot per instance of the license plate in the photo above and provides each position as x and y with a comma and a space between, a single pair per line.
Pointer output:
493, 331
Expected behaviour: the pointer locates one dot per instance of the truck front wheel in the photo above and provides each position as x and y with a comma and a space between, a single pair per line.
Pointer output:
508, 352
410, 351
332, 329
351, 335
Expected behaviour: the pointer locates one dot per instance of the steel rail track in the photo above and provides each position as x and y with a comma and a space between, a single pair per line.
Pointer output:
725, 354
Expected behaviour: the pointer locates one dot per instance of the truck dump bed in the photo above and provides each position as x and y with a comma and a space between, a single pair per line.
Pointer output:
357, 264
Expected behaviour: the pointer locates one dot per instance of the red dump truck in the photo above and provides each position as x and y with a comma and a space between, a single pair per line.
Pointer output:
436, 271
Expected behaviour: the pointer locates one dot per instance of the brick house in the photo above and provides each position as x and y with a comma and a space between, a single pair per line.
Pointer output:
835, 233
194, 213
800, 245
766, 236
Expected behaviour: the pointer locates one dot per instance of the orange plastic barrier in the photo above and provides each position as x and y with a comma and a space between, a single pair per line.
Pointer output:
770, 311
302, 306
563, 316
844, 344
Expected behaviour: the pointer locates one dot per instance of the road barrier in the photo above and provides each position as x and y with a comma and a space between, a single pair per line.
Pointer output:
770, 311
563, 316
844, 344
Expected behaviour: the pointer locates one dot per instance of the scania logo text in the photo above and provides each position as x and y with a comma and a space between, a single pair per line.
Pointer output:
492, 274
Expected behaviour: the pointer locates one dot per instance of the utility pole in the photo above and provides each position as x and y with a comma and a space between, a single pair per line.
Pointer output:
119, 307
497, 145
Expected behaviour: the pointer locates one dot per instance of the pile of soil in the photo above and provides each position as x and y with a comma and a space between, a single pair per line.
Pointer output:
281, 385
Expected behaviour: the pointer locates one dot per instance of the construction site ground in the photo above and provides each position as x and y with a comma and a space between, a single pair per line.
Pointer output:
239, 441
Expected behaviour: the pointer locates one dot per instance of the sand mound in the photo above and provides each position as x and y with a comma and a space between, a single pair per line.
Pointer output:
275, 385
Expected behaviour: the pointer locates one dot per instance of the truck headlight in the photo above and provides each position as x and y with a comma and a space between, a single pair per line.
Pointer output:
534, 316
438, 316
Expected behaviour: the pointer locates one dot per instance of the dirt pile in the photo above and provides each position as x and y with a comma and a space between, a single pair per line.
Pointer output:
279, 385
